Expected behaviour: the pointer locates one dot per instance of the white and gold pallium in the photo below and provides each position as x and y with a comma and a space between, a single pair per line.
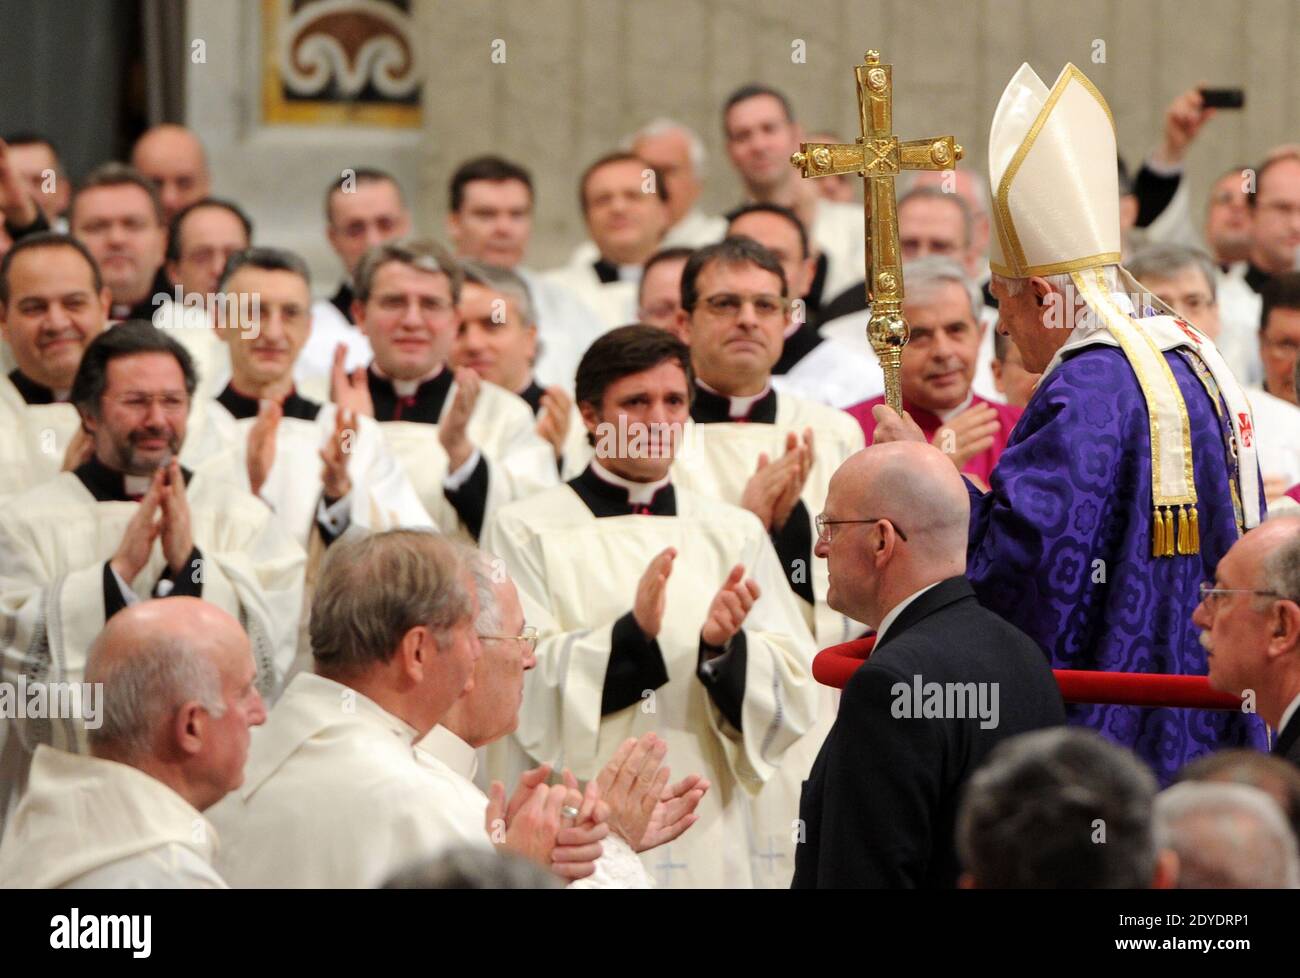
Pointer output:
1053, 171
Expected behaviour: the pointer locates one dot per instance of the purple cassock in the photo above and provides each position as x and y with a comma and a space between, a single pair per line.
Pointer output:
1061, 545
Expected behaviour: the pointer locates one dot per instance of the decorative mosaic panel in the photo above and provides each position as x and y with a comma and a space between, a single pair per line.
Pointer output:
332, 62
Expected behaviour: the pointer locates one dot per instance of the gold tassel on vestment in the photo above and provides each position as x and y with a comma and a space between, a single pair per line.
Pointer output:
1193, 533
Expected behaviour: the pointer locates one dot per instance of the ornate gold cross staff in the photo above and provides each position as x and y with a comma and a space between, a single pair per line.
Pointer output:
877, 157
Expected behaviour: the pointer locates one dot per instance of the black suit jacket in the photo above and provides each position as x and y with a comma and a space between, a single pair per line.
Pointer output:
880, 805
1287, 744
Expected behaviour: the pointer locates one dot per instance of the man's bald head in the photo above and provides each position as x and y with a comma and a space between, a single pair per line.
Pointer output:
173, 158
914, 513
179, 695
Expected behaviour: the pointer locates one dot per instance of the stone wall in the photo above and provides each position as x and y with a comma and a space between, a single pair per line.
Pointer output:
579, 74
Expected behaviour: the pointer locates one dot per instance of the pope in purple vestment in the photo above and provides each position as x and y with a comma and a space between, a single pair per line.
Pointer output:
1061, 546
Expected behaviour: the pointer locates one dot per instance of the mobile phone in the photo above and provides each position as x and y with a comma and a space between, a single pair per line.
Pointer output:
1223, 98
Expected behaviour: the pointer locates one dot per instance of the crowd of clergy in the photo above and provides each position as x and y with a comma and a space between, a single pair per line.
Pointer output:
461, 572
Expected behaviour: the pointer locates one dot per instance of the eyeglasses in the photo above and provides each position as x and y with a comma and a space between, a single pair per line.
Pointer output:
1212, 594
727, 305
822, 523
528, 636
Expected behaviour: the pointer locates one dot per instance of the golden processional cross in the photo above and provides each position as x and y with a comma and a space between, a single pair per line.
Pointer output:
877, 157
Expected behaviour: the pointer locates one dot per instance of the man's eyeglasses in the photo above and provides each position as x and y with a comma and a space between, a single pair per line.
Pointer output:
528, 636
1212, 595
727, 305
823, 523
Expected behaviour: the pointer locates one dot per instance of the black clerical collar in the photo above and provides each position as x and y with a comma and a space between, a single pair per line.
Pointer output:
533, 395
798, 345
110, 486
1255, 276
243, 406
424, 405
607, 271
342, 300
146, 307
605, 498
713, 408
32, 392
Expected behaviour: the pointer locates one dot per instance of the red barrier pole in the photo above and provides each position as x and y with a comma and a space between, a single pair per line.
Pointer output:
835, 666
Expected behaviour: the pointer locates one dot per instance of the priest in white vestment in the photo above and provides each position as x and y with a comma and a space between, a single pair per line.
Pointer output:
490, 220
336, 793
52, 304
319, 469
168, 740
625, 206
497, 339
203, 238
363, 206
761, 134
661, 609
644, 811
468, 446
129, 523
736, 312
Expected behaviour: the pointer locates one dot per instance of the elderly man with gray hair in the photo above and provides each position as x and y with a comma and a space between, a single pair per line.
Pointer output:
879, 807
677, 153
1226, 837
1249, 621
943, 308
632, 792
468, 446
497, 339
175, 679
336, 793
1061, 809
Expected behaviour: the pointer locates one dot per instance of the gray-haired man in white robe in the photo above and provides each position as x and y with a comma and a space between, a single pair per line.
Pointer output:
169, 741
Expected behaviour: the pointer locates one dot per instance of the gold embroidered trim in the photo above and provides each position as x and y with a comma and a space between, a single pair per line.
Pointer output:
1169, 535
1060, 267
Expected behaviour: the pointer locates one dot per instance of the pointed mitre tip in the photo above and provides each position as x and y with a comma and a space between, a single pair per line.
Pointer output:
1025, 75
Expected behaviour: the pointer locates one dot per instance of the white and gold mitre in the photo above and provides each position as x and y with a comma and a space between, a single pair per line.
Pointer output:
1054, 177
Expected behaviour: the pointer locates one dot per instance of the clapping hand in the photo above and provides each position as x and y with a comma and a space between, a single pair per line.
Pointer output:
334, 477
452, 429
644, 810
261, 443
350, 391
729, 608
553, 422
